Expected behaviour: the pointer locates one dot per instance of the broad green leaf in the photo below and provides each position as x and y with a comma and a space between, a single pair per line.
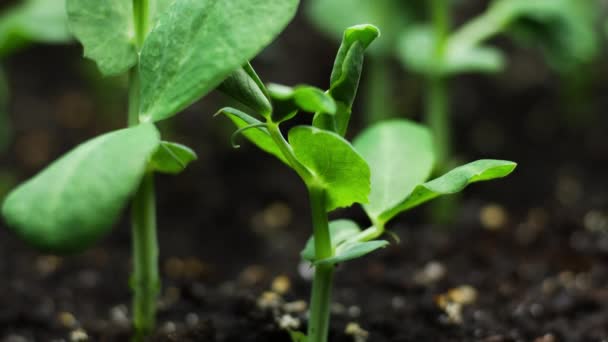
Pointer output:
452, 182
157, 8
259, 135
334, 163
391, 16
41, 21
345, 76
286, 101
352, 250
171, 158
339, 230
75, 201
245, 86
463, 59
197, 43
400, 156
106, 30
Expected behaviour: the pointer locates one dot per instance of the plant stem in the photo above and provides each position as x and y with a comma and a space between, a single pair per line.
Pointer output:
287, 151
437, 96
379, 86
145, 280
318, 325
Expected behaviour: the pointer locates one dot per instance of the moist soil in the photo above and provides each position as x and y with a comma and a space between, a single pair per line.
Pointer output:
524, 259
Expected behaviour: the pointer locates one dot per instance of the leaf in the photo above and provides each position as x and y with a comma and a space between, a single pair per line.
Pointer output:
463, 59
392, 17
416, 49
287, 101
171, 158
400, 155
453, 182
345, 76
198, 43
259, 135
43, 21
106, 30
334, 163
75, 201
245, 86
352, 250
297, 336
339, 231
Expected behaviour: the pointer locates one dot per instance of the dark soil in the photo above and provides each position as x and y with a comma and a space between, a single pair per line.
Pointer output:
533, 267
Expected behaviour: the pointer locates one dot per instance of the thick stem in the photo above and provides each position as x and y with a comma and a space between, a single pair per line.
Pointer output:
437, 96
145, 280
379, 90
318, 326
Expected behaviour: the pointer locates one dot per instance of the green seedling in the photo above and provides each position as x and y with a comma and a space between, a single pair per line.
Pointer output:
175, 53
563, 29
385, 168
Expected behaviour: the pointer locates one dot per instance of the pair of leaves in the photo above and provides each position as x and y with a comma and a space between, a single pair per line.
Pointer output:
288, 101
75, 201
400, 156
193, 45
344, 246
345, 77
42, 21
332, 161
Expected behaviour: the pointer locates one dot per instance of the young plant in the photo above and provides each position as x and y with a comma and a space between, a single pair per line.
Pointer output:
175, 53
563, 29
385, 169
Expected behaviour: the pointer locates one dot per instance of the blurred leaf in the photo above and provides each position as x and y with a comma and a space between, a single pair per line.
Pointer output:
452, 182
105, 29
391, 16
352, 250
339, 230
345, 77
245, 86
259, 135
75, 201
41, 21
198, 43
286, 101
172, 158
297, 336
400, 156
334, 163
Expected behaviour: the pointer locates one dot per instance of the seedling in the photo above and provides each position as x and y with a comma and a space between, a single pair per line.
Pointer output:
563, 29
175, 53
385, 169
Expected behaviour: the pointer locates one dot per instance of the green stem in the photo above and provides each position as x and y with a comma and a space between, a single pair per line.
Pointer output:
437, 96
287, 151
318, 326
379, 86
145, 280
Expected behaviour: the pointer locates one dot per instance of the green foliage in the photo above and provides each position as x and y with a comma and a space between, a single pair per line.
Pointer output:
75, 200
400, 156
245, 86
172, 158
197, 44
105, 28
42, 21
287, 101
345, 248
334, 165
345, 77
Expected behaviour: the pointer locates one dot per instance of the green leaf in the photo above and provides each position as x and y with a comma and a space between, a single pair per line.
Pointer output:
105, 29
339, 231
400, 155
41, 21
287, 101
259, 135
345, 76
171, 158
198, 43
464, 59
245, 86
75, 201
391, 16
334, 163
297, 336
352, 250
453, 182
